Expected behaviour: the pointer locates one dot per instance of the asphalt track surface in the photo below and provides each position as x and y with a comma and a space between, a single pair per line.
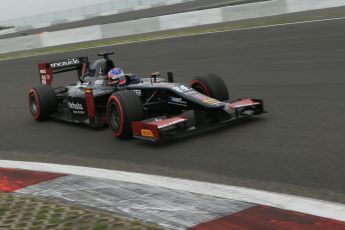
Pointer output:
297, 148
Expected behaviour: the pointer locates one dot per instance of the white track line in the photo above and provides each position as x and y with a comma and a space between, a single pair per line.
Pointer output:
181, 36
294, 203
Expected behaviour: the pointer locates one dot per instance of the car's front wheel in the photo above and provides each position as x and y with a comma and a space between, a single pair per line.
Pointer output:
211, 85
123, 108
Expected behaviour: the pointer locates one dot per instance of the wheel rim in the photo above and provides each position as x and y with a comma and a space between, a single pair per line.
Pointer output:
115, 117
33, 105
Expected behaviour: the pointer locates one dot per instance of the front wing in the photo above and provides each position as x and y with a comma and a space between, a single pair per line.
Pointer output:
158, 129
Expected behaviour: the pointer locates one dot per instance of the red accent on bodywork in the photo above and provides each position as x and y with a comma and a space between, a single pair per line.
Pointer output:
138, 126
264, 217
14, 179
243, 103
45, 73
90, 103
168, 122
105, 119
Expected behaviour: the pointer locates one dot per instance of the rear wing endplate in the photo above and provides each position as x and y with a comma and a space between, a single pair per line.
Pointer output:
47, 70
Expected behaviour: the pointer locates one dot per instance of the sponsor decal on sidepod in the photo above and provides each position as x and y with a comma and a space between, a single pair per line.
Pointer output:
75, 106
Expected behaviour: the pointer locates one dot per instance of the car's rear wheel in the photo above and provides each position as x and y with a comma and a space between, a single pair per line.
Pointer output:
123, 108
211, 85
42, 102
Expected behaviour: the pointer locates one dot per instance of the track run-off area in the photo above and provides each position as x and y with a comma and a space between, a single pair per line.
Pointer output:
297, 148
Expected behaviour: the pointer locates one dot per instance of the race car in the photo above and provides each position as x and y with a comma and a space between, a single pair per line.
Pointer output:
148, 108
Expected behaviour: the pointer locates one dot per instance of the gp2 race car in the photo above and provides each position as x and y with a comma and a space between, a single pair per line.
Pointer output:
150, 108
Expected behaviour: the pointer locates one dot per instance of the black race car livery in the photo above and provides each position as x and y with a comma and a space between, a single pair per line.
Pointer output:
149, 108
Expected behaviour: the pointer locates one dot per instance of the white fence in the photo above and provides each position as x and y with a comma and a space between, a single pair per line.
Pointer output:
166, 22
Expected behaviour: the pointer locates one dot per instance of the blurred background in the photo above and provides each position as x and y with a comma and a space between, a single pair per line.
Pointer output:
17, 13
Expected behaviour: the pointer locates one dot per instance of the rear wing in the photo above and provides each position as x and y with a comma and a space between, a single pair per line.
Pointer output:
47, 70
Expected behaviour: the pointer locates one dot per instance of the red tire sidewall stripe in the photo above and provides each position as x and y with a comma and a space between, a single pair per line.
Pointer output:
117, 101
34, 93
202, 85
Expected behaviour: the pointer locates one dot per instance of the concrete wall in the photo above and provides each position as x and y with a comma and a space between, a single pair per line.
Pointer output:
254, 10
82, 34
20, 43
303, 5
84, 12
194, 18
144, 25
175, 21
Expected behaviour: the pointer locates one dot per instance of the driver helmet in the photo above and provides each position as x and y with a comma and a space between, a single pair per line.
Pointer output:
117, 76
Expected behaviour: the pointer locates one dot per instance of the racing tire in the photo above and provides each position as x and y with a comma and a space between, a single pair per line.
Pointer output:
42, 102
123, 108
211, 85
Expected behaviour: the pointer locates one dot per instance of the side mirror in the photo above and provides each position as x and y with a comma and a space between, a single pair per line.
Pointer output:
154, 76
